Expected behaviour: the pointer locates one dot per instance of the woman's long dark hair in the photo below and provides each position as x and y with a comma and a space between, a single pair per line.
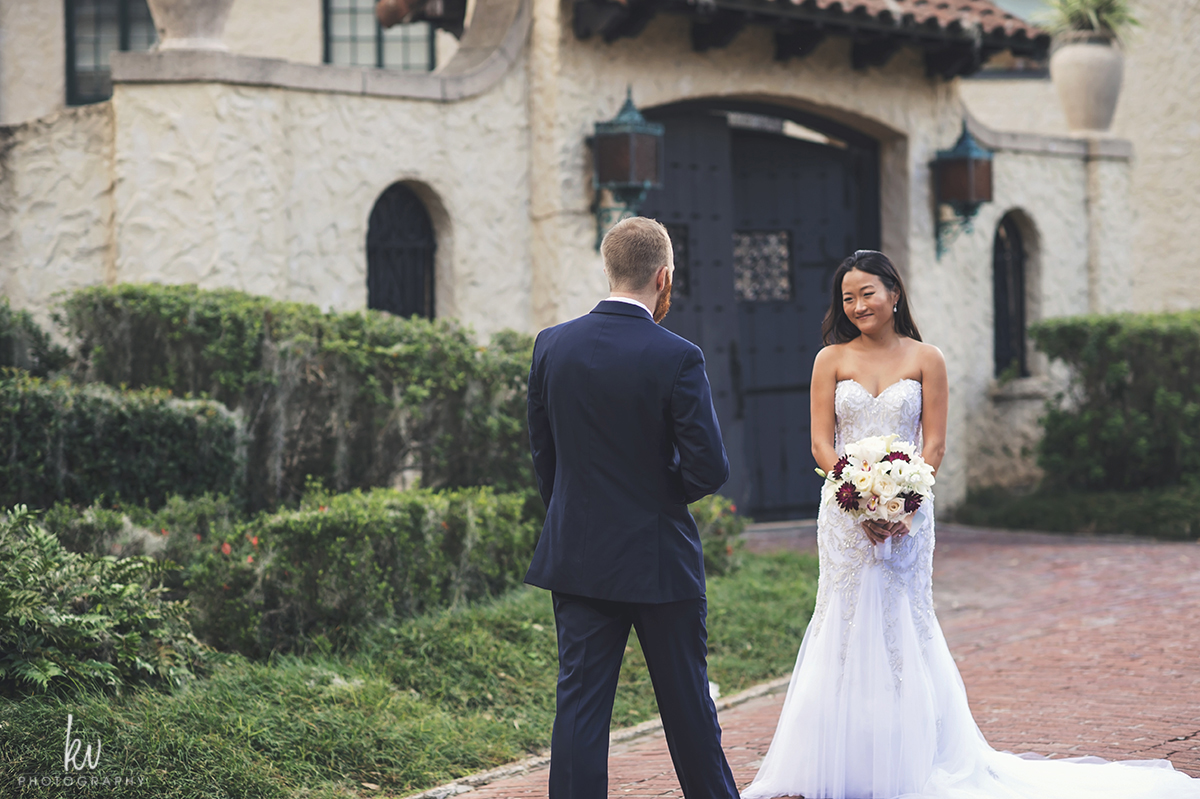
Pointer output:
837, 327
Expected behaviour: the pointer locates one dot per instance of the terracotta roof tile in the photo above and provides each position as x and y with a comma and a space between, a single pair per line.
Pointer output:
950, 15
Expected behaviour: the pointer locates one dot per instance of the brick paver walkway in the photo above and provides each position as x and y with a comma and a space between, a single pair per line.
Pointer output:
1067, 646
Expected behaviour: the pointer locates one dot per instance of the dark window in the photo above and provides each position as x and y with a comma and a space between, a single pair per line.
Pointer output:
1008, 279
400, 248
354, 37
94, 29
681, 279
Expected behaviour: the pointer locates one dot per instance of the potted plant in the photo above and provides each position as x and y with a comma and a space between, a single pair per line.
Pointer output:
1087, 64
190, 24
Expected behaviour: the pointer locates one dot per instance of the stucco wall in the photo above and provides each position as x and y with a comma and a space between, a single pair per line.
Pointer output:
55, 206
277, 29
269, 191
32, 59
1157, 112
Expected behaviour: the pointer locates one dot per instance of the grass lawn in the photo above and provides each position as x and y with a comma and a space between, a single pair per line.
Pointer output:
435, 698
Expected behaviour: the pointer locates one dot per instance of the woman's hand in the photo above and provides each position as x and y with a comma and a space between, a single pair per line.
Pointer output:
878, 532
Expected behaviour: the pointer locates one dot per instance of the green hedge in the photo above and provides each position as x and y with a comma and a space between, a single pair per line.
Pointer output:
1170, 514
339, 565
61, 442
356, 399
344, 563
74, 620
24, 345
1131, 418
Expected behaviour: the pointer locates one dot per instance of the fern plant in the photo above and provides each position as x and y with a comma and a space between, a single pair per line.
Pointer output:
76, 620
1111, 19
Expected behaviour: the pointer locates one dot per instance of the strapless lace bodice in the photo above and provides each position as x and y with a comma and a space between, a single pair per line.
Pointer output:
897, 410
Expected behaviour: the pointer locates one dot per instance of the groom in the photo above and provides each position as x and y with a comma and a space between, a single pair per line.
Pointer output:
624, 435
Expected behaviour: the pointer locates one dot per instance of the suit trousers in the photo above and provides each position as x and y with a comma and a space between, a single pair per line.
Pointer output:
592, 635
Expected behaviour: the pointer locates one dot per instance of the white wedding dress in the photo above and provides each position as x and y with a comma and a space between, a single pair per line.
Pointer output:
876, 708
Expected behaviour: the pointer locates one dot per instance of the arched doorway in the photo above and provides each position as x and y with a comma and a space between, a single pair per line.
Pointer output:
762, 204
400, 254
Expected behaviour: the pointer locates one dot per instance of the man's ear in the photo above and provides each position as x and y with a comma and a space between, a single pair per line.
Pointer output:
660, 279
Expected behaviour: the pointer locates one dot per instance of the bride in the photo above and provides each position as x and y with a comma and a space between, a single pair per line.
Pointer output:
876, 708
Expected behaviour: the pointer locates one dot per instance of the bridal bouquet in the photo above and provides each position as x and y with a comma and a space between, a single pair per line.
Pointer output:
881, 478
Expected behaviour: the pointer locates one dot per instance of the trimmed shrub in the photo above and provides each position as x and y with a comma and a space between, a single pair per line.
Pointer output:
356, 399
74, 620
1131, 415
721, 531
343, 563
61, 442
24, 345
1171, 514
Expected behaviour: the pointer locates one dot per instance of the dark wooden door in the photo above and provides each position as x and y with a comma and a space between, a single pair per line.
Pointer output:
796, 215
761, 220
696, 205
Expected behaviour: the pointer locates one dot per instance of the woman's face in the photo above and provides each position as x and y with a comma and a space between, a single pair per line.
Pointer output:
867, 302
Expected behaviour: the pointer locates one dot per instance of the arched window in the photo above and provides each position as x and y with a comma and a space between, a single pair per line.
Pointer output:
1008, 287
400, 248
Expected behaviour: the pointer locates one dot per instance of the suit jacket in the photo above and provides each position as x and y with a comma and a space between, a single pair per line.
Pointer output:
624, 436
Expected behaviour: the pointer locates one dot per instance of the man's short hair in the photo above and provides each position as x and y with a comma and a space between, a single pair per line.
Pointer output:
634, 250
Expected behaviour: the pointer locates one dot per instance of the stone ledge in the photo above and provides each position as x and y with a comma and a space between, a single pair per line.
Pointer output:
1089, 147
1037, 387
492, 44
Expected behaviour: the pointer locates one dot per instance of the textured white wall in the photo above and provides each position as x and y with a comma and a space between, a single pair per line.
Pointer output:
1157, 112
269, 191
55, 206
32, 59
277, 29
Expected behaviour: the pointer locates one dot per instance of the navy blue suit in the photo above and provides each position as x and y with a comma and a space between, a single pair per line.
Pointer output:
624, 436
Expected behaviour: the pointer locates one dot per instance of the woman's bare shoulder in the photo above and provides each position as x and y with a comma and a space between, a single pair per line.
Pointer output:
930, 358
829, 358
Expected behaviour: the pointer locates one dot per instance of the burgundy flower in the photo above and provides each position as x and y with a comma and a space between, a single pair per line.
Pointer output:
912, 501
848, 497
896, 456
841, 464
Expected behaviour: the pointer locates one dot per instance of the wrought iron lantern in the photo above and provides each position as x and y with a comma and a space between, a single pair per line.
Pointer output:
627, 154
962, 179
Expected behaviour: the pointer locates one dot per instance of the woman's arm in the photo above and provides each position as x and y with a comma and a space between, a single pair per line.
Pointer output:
935, 403
820, 392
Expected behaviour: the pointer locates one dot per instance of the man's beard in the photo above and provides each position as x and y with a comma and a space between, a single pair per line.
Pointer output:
664, 301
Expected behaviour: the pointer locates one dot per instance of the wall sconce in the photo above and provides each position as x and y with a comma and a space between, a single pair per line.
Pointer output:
627, 154
962, 181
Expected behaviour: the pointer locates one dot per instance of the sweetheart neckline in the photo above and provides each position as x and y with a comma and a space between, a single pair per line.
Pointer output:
881, 393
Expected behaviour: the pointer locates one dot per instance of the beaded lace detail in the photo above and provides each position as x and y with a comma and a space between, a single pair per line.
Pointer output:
844, 549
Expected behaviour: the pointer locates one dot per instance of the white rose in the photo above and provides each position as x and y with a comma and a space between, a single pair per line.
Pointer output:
862, 481
885, 486
894, 509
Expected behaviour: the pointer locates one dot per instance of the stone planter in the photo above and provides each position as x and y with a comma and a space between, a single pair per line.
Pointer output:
190, 24
1087, 71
